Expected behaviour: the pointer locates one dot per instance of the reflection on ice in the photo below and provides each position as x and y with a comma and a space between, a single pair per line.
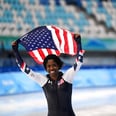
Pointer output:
89, 102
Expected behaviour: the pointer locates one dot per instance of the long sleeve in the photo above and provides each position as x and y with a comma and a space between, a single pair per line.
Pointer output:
16, 52
70, 73
22, 65
37, 77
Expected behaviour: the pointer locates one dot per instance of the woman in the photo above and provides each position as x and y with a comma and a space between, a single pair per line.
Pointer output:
56, 85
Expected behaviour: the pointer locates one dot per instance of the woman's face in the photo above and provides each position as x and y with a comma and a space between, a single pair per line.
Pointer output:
52, 68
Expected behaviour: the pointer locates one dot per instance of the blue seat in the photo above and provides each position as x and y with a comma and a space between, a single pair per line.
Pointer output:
32, 2
57, 2
108, 21
114, 4
44, 2
7, 16
29, 19
100, 10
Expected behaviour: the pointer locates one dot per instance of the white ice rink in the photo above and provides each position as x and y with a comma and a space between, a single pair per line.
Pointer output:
86, 102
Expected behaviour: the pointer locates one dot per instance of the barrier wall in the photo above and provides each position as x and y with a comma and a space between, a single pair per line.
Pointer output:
18, 82
88, 43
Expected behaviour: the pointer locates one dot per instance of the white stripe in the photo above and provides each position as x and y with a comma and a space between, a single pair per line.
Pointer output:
70, 43
62, 40
37, 55
54, 52
45, 52
24, 66
55, 39
62, 46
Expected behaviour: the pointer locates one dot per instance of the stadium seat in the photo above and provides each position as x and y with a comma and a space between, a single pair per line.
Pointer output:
102, 10
26, 15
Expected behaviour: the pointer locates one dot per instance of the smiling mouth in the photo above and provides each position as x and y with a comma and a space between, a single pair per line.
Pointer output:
51, 72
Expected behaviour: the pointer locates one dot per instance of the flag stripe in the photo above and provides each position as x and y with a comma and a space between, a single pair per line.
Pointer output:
70, 42
44, 52
57, 52
58, 38
36, 56
66, 40
39, 55
63, 39
74, 44
66, 48
55, 38
57, 31
46, 40
60, 33
49, 51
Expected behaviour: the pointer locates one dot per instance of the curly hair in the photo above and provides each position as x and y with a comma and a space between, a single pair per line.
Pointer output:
55, 58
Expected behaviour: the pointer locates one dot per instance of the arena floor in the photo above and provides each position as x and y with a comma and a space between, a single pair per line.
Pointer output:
86, 102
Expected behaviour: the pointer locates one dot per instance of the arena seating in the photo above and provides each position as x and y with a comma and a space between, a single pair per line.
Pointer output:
102, 10
19, 16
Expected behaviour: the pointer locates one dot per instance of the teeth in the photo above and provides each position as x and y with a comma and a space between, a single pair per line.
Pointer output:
52, 71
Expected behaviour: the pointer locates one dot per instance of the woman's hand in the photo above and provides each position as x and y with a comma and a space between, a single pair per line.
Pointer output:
80, 55
14, 45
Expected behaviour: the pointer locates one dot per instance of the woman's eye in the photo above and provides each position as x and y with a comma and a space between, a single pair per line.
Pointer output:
54, 65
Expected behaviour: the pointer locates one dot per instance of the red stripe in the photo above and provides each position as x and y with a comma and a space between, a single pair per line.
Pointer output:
57, 52
41, 53
49, 51
34, 57
22, 65
57, 33
66, 46
66, 41
74, 44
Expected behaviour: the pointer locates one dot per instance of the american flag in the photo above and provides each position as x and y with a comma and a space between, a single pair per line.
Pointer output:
45, 40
